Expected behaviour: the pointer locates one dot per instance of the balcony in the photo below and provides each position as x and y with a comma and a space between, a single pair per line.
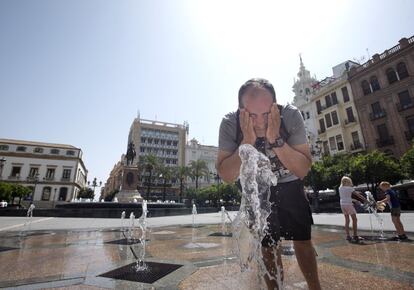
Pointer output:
406, 106
377, 115
349, 121
321, 131
356, 146
409, 135
49, 178
65, 179
14, 177
385, 142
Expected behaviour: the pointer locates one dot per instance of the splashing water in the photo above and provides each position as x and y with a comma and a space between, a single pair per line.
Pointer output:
142, 223
223, 220
250, 224
194, 212
372, 209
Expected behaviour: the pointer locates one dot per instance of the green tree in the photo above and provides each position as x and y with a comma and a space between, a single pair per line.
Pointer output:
181, 173
198, 168
166, 173
111, 195
86, 192
150, 163
20, 191
407, 163
5, 191
377, 166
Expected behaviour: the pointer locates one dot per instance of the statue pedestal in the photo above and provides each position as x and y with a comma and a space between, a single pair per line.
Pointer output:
129, 185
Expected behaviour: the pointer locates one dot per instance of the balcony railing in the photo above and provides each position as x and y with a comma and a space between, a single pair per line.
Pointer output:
321, 131
349, 121
356, 146
409, 135
63, 179
14, 177
402, 107
377, 115
385, 142
49, 178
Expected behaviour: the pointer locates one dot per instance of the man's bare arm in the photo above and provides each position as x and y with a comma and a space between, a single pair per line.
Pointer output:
296, 158
228, 165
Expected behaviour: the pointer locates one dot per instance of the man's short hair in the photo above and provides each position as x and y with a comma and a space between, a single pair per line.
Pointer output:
385, 184
256, 83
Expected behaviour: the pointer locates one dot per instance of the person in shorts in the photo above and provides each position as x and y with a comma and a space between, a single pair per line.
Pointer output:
346, 194
279, 133
392, 199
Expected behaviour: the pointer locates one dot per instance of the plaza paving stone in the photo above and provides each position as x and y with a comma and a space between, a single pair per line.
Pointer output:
73, 257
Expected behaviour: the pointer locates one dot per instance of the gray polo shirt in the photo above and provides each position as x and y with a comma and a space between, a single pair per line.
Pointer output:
294, 125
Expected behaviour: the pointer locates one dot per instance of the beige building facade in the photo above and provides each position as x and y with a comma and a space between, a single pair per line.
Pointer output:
383, 90
339, 129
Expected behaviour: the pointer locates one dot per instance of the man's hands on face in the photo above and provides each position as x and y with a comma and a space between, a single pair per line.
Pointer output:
246, 124
273, 124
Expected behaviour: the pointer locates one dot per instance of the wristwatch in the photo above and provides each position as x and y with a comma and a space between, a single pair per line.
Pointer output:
279, 142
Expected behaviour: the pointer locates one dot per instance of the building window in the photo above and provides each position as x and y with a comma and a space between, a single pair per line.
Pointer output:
377, 111
325, 147
366, 89
46, 193
70, 153
375, 84
307, 91
66, 174
402, 70
303, 115
38, 150
318, 106
405, 99
328, 101
328, 120
339, 142
307, 115
54, 151
332, 143
410, 125
21, 148
50, 173
334, 98
15, 171
391, 75
63, 192
33, 171
383, 132
4, 147
335, 120
345, 94
350, 114
355, 140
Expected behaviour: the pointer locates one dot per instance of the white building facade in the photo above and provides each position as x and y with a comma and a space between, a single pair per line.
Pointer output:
54, 172
195, 151
303, 88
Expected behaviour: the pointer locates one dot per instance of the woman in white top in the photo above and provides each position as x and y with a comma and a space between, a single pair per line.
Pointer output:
346, 191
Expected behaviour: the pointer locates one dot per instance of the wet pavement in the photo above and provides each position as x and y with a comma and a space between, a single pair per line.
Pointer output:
34, 257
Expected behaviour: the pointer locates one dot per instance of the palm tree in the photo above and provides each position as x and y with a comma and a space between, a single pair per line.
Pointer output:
198, 169
166, 175
150, 163
182, 172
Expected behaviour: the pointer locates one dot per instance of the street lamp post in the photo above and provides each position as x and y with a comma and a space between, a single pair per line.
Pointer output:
94, 184
2, 161
36, 180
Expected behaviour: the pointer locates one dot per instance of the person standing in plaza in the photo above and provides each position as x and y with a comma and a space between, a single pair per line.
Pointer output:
392, 199
279, 133
346, 193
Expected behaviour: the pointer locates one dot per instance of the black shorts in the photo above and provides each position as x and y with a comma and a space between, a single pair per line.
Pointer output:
291, 216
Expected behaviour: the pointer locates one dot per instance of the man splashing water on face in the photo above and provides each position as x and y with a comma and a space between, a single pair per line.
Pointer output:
279, 133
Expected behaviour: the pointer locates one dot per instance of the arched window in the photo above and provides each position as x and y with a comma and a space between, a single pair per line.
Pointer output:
365, 87
375, 84
46, 193
63, 192
402, 70
391, 75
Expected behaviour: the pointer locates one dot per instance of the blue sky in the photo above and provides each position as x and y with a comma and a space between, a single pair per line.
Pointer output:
77, 71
